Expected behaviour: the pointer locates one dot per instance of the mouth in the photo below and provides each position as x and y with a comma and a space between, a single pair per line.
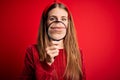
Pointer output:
55, 28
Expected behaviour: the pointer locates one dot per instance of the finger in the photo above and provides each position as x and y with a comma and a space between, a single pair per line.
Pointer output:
52, 60
53, 47
53, 54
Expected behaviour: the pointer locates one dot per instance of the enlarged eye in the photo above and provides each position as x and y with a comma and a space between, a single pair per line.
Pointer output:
52, 19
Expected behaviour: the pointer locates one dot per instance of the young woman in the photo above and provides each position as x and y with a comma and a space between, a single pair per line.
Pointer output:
56, 55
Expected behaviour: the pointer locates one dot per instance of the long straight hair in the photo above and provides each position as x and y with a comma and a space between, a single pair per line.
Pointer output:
73, 69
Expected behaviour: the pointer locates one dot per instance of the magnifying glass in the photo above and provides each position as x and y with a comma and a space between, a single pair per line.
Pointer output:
57, 30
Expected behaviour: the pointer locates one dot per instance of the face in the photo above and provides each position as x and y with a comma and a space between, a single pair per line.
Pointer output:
57, 22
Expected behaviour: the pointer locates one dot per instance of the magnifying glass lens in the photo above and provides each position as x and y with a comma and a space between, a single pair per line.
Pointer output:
56, 30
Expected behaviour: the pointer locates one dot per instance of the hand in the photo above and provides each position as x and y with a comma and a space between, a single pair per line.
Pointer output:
52, 51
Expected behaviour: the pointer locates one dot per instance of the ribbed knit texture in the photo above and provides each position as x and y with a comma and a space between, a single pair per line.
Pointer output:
34, 69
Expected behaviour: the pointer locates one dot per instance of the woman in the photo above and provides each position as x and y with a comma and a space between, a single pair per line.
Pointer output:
54, 59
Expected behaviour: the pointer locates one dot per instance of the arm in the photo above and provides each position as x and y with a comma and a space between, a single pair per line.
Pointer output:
34, 70
28, 72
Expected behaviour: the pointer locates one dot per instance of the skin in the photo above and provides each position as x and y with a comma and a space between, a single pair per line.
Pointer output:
56, 14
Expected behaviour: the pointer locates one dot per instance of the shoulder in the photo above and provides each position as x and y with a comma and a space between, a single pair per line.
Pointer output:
32, 51
31, 48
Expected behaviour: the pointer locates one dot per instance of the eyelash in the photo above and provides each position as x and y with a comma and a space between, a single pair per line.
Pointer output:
64, 19
52, 19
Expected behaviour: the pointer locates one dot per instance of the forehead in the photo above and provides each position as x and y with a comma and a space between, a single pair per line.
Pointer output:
58, 12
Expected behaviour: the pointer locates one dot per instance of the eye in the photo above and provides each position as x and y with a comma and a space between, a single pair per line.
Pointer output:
52, 18
64, 19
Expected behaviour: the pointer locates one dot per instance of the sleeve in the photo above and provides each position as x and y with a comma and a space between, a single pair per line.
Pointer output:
83, 66
28, 72
45, 72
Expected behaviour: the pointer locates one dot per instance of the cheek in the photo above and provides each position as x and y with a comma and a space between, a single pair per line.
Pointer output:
48, 22
66, 24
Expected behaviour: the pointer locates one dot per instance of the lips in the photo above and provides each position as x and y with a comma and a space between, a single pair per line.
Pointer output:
57, 27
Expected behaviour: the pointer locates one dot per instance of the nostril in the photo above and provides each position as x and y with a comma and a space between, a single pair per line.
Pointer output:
58, 21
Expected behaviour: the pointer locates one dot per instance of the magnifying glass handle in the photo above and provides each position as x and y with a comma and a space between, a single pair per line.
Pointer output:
55, 42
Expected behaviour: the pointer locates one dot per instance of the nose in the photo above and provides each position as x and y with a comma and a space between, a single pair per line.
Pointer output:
58, 19
58, 23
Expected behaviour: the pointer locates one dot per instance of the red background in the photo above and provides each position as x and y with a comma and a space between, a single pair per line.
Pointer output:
98, 30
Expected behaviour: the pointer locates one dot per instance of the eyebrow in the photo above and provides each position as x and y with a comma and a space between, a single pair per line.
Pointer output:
56, 16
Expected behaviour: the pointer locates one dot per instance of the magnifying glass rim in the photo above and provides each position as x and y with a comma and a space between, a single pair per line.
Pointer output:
49, 27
